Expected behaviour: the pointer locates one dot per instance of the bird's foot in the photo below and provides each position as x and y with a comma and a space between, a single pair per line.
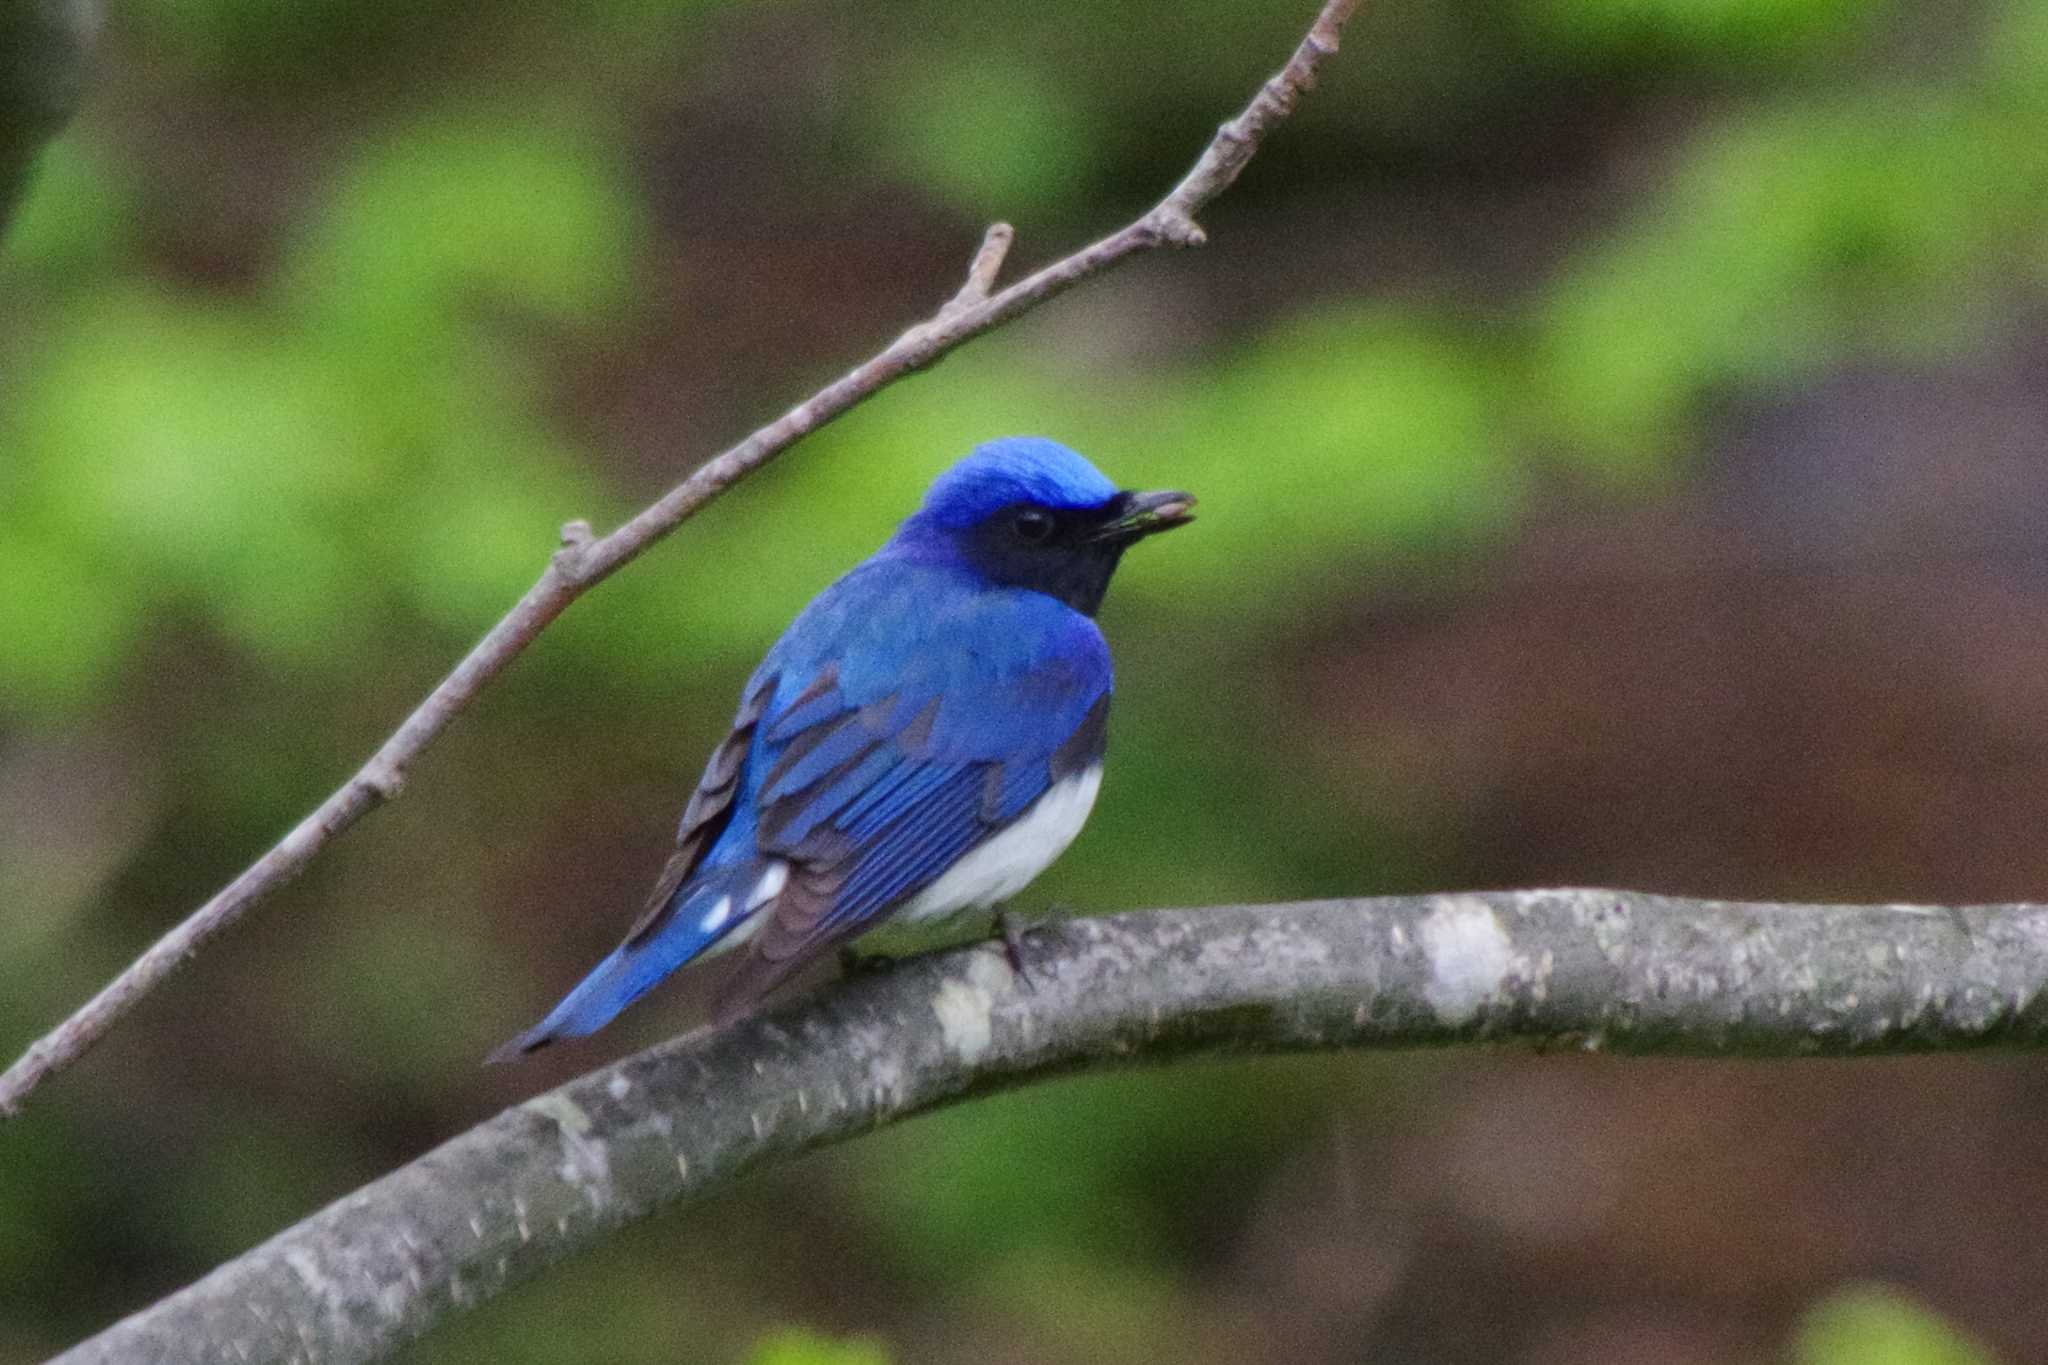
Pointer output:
1011, 928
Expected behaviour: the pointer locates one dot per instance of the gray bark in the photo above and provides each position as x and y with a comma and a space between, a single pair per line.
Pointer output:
1620, 971
43, 49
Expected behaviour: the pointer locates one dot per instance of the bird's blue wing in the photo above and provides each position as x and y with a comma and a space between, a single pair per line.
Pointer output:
709, 862
909, 720
708, 815
902, 719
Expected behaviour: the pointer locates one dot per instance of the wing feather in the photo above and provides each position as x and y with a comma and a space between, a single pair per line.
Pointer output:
708, 812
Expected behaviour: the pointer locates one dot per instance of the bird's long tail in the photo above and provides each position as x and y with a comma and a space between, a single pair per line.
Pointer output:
704, 915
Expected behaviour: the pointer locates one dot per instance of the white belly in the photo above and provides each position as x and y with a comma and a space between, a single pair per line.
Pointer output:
991, 872
1004, 864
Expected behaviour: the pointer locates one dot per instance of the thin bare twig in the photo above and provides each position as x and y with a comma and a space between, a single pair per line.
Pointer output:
582, 562
1610, 970
988, 263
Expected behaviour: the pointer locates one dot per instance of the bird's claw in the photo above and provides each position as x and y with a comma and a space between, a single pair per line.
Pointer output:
1011, 929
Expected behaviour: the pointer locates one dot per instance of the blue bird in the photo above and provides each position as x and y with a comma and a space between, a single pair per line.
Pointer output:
925, 739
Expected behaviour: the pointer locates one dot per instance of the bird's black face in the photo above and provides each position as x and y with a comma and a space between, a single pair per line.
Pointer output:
1070, 552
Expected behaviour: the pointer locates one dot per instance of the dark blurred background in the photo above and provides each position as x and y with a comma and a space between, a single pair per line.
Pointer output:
1620, 432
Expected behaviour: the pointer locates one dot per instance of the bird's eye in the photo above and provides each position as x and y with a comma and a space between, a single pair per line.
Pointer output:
1032, 526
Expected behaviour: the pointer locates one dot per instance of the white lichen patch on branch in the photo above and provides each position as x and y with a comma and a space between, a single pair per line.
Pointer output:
394, 1296
886, 1078
1470, 957
1271, 946
560, 1110
1605, 915
966, 1007
586, 1160
331, 1294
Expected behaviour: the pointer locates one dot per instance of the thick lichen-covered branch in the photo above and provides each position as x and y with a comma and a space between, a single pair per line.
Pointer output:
1619, 971
585, 560
43, 50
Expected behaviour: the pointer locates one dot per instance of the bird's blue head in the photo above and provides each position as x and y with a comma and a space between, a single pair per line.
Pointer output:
1026, 512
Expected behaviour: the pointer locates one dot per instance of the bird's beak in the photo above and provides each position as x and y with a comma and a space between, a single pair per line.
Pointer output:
1137, 515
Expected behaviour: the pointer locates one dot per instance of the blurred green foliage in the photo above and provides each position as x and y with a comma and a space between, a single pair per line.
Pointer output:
374, 416
797, 1347
1135, 1180
1868, 225
1744, 31
368, 422
298, 483
283, 45
1874, 1325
